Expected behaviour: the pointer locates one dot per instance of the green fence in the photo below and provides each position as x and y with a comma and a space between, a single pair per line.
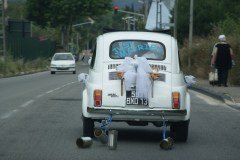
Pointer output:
29, 48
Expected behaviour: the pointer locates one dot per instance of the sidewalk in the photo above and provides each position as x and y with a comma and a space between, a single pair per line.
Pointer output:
229, 95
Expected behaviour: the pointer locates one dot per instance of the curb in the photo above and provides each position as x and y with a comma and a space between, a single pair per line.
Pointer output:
225, 98
24, 73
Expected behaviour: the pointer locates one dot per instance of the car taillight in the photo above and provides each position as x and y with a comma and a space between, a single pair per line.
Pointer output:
175, 100
97, 97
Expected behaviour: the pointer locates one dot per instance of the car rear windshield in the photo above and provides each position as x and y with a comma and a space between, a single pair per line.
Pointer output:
131, 48
63, 57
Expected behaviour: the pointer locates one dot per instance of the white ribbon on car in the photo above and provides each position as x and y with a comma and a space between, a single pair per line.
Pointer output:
136, 72
129, 72
189, 80
82, 77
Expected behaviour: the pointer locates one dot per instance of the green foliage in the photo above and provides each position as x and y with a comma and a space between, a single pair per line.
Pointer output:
228, 26
16, 9
63, 12
12, 67
207, 13
46, 33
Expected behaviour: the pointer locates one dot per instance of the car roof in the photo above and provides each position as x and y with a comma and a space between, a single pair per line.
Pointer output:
140, 35
63, 53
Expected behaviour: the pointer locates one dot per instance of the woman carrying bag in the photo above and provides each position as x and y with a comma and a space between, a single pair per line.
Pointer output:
222, 60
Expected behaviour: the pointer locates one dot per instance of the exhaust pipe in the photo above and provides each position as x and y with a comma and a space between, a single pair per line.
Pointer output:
84, 142
101, 135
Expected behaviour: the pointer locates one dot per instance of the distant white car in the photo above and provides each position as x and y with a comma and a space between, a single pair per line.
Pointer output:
63, 62
135, 77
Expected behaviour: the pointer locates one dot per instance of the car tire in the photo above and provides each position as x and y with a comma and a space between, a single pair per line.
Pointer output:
74, 72
52, 72
179, 130
88, 127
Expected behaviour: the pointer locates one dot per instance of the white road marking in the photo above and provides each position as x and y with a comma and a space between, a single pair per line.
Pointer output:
49, 91
9, 114
28, 103
53, 90
41, 95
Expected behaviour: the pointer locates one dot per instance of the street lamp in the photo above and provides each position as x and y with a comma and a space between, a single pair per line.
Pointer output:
190, 34
91, 21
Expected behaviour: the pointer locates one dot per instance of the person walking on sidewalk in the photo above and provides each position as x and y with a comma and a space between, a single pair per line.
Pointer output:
222, 57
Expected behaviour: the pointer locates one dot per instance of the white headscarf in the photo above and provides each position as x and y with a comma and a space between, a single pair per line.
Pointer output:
222, 38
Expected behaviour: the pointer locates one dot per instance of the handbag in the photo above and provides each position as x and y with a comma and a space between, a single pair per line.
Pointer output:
213, 77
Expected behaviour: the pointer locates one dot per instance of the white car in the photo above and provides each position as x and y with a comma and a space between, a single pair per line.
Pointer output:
135, 77
63, 62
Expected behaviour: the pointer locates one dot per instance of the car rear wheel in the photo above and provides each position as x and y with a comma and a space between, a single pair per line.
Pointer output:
52, 72
88, 127
179, 130
74, 72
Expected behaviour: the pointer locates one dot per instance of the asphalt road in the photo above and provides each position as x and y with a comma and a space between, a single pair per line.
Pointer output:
40, 119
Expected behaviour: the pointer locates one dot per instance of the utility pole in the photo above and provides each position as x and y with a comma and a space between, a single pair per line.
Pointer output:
90, 21
146, 5
159, 14
190, 34
129, 18
145, 11
175, 18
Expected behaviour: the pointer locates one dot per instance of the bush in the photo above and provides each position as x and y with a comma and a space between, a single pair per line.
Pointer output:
12, 67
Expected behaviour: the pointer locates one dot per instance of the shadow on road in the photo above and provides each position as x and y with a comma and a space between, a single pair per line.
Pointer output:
141, 135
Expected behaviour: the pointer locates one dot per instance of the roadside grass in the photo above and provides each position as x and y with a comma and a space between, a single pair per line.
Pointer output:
13, 67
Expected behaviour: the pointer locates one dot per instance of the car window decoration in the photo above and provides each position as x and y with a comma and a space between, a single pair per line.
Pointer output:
129, 48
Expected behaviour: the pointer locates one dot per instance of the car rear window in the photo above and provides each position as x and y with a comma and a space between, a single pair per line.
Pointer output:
63, 57
129, 48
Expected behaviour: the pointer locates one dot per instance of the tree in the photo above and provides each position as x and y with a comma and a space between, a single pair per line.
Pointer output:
63, 13
207, 13
16, 9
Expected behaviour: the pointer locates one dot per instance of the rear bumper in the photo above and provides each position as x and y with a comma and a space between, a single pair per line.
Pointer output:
138, 112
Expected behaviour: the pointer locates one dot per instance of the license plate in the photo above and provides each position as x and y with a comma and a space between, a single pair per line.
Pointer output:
131, 99
62, 68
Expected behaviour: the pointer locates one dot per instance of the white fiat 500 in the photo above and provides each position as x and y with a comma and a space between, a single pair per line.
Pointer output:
135, 77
